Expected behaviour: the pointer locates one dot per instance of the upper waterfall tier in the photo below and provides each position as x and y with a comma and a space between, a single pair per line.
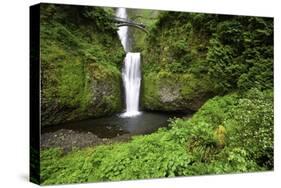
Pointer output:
123, 31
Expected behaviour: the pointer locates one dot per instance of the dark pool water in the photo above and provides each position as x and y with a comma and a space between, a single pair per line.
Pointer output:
112, 126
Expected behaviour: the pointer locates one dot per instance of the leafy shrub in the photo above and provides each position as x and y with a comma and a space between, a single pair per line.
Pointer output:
250, 124
240, 54
57, 168
259, 75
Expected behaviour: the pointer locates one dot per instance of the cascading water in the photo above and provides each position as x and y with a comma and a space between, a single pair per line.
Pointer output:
123, 31
131, 71
132, 80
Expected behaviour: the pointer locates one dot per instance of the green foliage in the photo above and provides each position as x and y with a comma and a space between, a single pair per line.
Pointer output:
80, 76
99, 18
250, 124
229, 134
102, 18
245, 123
235, 52
175, 44
260, 75
119, 163
231, 33
221, 65
240, 54
57, 168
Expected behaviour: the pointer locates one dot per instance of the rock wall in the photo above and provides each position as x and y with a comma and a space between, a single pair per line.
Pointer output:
81, 58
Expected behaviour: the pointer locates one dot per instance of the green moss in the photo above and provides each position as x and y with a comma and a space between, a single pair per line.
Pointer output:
149, 92
171, 92
193, 87
80, 75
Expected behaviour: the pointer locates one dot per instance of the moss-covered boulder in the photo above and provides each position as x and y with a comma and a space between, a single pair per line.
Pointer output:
81, 58
174, 92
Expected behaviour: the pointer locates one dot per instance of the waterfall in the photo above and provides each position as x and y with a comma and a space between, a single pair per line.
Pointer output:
131, 71
132, 79
123, 31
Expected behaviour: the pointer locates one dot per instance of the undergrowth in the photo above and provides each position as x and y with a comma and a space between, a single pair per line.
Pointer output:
229, 134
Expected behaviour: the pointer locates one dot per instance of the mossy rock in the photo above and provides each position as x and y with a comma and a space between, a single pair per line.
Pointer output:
80, 76
174, 92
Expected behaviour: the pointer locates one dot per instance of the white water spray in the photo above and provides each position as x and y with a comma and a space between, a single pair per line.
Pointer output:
131, 71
